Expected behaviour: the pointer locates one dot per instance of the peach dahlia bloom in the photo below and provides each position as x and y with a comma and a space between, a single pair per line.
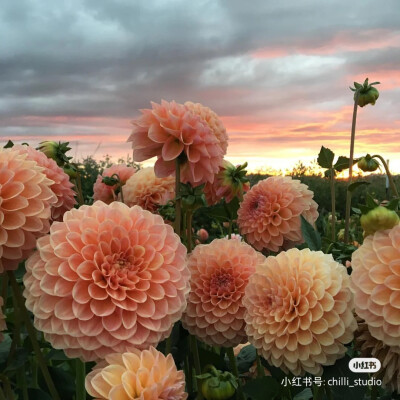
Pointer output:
213, 121
147, 191
220, 272
376, 284
106, 193
269, 215
299, 310
170, 130
144, 375
108, 279
3, 325
389, 356
25, 206
61, 186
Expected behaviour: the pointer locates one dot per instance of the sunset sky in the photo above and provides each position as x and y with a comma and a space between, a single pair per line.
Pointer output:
277, 72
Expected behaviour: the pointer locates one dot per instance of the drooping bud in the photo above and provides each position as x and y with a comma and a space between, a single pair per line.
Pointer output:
378, 219
367, 94
217, 385
368, 164
56, 151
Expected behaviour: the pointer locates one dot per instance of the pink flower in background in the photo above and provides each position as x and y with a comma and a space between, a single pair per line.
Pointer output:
108, 279
170, 130
106, 193
61, 186
376, 284
220, 272
145, 375
147, 191
299, 311
213, 121
229, 182
26, 199
269, 215
3, 325
234, 236
202, 234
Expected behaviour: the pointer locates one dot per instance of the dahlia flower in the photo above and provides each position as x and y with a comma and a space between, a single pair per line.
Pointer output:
269, 215
376, 284
172, 130
61, 187
220, 272
145, 375
25, 206
230, 182
213, 121
202, 234
389, 356
106, 193
299, 310
108, 279
147, 191
3, 325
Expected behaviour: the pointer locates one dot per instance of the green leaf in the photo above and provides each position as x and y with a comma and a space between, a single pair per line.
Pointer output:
19, 359
57, 355
371, 203
8, 145
5, 348
393, 204
310, 235
325, 157
343, 163
305, 394
356, 210
261, 388
353, 186
246, 358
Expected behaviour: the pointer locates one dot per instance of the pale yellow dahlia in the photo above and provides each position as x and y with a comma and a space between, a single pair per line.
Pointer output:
220, 272
299, 311
144, 375
147, 191
269, 215
108, 279
26, 199
389, 356
376, 284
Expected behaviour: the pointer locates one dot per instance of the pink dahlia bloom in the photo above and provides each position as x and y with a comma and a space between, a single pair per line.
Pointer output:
61, 187
299, 310
147, 191
269, 215
213, 121
3, 325
144, 375
25, 206
227, 184
376, 284
108, 279
202, 235
220, 272
172, 130
106, 193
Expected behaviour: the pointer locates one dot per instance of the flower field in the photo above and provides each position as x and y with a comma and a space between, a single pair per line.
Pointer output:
191, 279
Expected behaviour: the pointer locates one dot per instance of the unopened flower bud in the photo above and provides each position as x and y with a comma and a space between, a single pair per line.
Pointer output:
378, 219
368, 164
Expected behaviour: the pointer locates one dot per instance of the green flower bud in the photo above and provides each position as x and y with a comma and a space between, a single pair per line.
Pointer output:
110, 181
367, 93
368, 164
217, 385
340, 235
55, 151
378, 219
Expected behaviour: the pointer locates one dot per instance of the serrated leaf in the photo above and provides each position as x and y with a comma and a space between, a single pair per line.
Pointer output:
343, 163
353, 186
325, 157
310, 235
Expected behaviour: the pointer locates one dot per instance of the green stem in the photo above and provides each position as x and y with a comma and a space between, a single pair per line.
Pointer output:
168, 345
189, 216
2, 395
188, 375
197, 366
328, 393
389, 175
178, 200
32, 336
122, 193
78, 186
80, 368
260, 368
333, 200
352, 141
7, 387
232, 361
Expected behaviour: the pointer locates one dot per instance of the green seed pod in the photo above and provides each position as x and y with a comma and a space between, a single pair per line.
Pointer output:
378, 219
367, 94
